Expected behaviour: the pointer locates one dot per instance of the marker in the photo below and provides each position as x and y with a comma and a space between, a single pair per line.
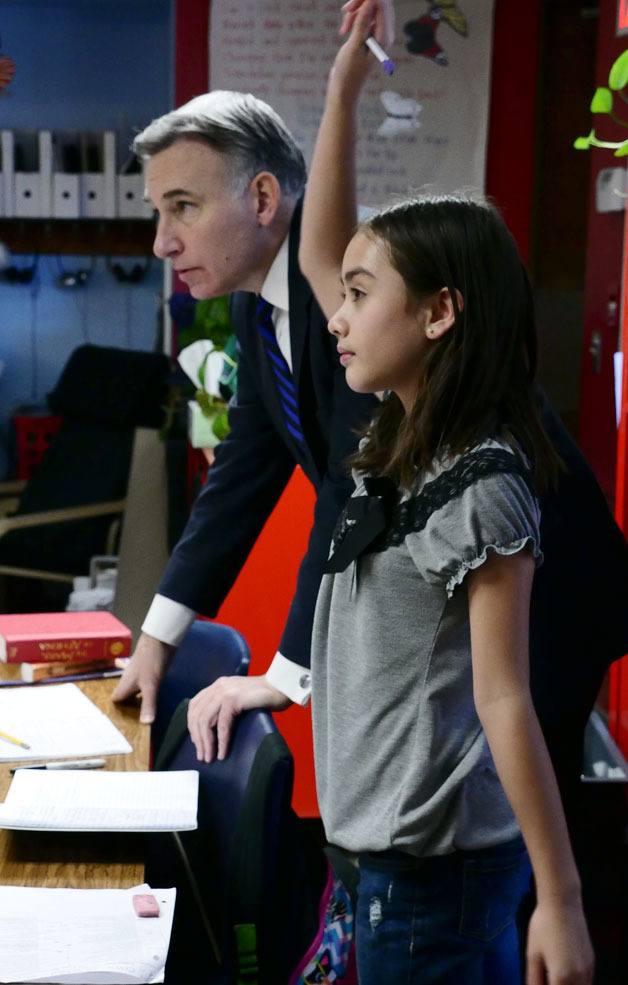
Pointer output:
87, 676
69, 764
13, 740
97, 675
376, 49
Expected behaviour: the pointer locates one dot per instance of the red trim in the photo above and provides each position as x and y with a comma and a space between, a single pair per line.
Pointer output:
510, 146
191, 68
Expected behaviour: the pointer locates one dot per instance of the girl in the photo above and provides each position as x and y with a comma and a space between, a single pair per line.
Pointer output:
430, 762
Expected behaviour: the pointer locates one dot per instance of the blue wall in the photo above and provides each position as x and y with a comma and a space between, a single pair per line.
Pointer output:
80, 65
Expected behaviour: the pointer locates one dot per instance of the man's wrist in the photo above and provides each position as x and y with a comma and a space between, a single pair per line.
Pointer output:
167, 620
291, 678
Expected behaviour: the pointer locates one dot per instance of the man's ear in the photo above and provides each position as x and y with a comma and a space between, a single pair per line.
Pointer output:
266, 195
441, 313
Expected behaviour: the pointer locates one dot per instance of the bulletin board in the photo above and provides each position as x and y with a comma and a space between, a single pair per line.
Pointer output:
424, 129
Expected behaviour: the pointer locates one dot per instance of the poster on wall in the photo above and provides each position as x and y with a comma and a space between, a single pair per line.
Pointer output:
422, 130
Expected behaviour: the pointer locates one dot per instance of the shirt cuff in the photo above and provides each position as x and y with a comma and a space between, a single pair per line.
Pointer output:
290, 678
168, 620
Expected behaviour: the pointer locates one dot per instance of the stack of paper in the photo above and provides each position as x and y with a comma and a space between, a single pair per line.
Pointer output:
77, 800
56, 722
91, 936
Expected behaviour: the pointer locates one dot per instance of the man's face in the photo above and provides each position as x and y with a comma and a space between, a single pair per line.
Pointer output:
208, 230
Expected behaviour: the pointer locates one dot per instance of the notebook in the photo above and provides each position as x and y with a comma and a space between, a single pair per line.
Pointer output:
57, 721
85, 800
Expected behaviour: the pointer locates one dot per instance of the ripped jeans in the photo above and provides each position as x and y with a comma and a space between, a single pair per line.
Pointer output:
443, 920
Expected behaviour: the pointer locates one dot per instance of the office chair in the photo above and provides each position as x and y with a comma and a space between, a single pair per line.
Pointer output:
66, 508
208, 651
248, 882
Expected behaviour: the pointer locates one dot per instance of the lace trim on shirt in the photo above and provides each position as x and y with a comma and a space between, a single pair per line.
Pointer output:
412, 515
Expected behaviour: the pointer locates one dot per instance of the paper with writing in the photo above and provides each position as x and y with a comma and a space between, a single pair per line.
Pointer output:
77, 800
56, 721
91, 936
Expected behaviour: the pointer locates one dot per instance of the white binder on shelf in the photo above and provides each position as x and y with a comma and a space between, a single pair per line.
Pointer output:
45, 174
27, 180
131, 204
66, 177
6, 172
98, 178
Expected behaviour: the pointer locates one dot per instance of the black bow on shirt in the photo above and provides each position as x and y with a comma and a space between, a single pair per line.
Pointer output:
364, 519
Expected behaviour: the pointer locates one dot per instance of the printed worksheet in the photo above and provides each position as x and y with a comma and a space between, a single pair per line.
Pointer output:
55, 721
91, 936
82, 800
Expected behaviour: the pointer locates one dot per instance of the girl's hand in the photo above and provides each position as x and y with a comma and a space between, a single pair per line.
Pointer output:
559, 949
361, 19
383, 19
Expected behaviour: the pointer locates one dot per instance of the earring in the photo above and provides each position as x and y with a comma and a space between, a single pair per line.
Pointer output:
431, 331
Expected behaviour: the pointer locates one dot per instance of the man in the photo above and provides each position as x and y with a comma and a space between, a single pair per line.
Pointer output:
225, 177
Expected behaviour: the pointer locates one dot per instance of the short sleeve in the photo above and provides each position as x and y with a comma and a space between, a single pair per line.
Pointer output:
471, 514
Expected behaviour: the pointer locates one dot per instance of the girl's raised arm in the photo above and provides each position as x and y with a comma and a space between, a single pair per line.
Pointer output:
330, 208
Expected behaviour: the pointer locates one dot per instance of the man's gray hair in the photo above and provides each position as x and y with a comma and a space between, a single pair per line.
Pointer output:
238, 125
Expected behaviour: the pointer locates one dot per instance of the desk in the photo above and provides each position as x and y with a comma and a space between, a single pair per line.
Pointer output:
79, 861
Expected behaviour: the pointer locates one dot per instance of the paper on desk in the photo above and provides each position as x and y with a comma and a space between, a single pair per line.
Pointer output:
91, 936
56, 721
81, 800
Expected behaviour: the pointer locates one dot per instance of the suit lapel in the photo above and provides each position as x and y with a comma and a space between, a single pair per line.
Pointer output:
300, 299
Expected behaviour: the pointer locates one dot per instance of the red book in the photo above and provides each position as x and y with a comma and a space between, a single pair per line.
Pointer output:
63, 637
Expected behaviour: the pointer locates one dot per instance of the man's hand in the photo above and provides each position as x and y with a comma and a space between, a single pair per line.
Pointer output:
212, 712
143, 674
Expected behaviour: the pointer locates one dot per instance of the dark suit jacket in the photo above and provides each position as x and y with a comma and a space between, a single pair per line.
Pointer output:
254, 463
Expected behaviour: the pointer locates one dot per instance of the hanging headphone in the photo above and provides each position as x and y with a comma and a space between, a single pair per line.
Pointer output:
73, 278
133, 275
20, 275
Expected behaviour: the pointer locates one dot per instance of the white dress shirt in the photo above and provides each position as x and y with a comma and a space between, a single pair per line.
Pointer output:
167, 620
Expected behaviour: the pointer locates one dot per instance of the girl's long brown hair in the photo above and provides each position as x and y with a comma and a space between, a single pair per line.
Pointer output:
477, 380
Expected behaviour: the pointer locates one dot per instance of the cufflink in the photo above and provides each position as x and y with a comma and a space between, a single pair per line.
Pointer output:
304, 681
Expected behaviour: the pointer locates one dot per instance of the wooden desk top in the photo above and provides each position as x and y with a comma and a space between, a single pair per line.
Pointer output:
74, 860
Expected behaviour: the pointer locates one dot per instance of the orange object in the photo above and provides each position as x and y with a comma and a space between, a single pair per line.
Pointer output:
271, 573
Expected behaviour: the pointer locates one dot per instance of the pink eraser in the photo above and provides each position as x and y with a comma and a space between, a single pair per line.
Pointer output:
145, 905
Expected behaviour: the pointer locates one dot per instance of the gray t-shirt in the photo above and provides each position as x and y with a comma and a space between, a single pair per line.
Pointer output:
401, 758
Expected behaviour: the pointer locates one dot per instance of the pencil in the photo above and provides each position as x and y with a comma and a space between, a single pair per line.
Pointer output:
11, 738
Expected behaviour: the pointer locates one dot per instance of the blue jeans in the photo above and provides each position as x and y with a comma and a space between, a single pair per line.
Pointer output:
446, 920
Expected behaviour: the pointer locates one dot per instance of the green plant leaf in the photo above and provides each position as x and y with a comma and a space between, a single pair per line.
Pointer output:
618, 75
220, 425
582, 143
602, 101
211, 317
622, 150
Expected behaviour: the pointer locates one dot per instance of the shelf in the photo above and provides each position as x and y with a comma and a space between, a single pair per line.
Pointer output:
87, 237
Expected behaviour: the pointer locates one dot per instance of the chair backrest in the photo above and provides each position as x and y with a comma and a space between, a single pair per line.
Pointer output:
143, 551
102, 394
208, 651
259, 882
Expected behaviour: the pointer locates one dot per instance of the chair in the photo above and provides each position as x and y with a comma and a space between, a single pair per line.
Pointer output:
143, 550
208, 651
248, 883
66, 508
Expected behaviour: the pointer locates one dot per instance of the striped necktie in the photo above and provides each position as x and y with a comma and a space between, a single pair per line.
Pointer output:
281, 371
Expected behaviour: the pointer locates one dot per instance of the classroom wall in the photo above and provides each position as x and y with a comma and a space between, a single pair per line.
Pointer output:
80, 64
